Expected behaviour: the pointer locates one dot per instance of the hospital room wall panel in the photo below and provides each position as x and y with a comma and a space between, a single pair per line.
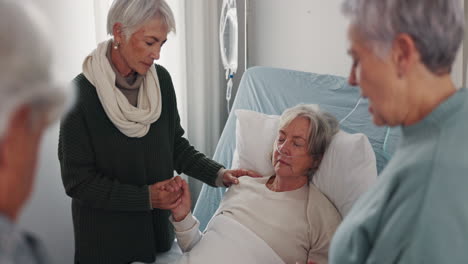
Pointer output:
307, 35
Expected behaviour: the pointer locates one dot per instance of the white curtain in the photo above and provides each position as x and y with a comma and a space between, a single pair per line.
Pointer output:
205, 78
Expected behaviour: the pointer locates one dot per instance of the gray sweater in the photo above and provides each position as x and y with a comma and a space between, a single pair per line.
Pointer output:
417, 212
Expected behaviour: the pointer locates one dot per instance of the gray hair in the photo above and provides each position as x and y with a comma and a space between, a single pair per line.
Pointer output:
436, 27
322, 127
26, 58
134, 13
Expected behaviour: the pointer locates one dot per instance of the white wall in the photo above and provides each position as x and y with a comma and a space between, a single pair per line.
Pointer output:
306, 35
173, 58
48, 213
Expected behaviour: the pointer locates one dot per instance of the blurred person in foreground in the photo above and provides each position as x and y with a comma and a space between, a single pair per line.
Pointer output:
29, 103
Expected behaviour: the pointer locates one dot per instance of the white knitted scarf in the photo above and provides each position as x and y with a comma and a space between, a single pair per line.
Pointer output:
130, 120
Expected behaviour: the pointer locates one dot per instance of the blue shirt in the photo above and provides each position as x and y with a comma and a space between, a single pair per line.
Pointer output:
418, 210
17, 247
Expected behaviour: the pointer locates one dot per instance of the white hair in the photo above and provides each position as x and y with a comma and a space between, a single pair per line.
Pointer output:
322, 127
436, 26
25, 77
134, 13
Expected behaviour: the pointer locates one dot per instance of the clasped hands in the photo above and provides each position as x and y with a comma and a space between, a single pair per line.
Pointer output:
174, 194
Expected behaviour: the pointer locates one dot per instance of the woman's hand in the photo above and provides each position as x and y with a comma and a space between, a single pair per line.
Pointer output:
166, 194
181, 211
230, 176
173, 185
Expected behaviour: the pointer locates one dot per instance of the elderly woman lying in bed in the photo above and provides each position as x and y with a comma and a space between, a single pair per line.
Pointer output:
278, 219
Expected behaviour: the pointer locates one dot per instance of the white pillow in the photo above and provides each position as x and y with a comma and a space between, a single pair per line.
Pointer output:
255, 135
347, 170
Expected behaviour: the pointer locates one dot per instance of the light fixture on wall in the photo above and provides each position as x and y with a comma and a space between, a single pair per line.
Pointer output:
228, 41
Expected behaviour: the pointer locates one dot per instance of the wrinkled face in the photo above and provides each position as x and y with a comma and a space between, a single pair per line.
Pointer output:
379, 81
291, 156
144, 45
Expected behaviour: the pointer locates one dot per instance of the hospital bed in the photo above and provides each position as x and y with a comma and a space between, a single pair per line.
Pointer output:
271, 91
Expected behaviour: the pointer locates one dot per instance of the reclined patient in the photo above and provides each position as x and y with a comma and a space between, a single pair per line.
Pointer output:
278, 219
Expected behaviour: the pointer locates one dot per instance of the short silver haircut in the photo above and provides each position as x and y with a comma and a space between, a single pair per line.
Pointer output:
322, 127
436, 26
132, 14
25, 64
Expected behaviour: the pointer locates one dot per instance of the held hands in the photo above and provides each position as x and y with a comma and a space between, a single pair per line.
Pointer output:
181, 211
166, 194
181, 207
230, 176
174, 194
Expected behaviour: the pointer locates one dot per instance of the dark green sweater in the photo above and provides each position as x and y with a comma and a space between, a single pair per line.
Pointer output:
107, 174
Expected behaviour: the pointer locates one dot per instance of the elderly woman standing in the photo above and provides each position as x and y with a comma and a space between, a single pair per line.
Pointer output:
287, 212
123, 139
403, 53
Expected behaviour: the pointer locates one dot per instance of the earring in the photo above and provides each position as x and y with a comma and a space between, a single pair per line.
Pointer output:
116, 45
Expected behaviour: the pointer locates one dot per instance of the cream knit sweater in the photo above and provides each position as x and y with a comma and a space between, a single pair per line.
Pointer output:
298, 225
